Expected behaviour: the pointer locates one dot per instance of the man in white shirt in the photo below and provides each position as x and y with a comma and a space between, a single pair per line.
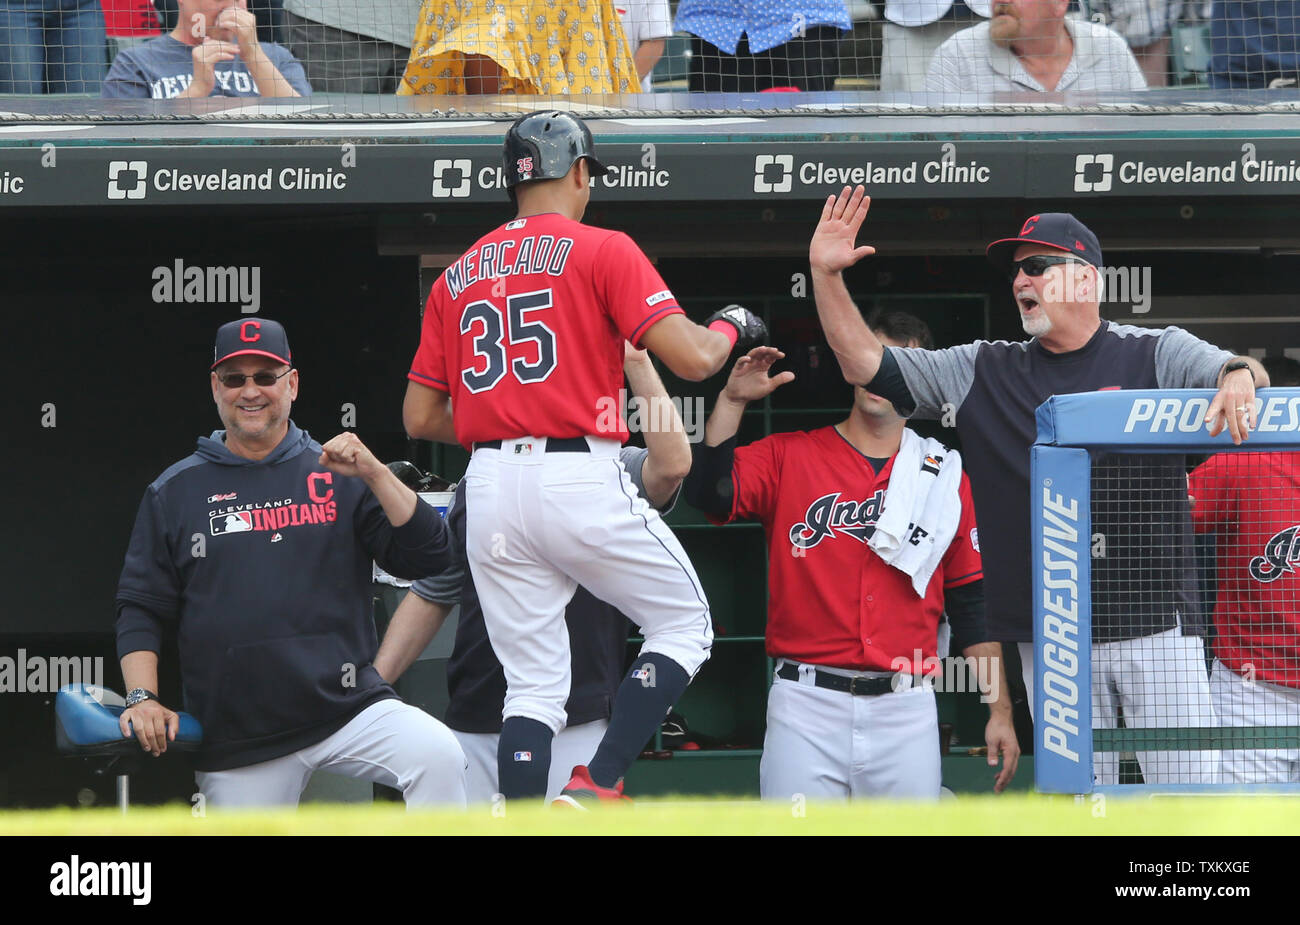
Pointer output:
1031, 45
647, 23
913, 31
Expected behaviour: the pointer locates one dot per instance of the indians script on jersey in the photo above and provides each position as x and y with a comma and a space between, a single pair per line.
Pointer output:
829, 515
1281, 553
525, 331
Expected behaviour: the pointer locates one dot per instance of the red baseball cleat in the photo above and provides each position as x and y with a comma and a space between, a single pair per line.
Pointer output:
581, 789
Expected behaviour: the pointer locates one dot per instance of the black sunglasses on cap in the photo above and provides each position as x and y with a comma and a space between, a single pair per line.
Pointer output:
263, 379
1038, 264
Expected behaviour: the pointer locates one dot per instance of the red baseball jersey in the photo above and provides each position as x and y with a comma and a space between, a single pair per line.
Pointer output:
1251, 502
525, 331
832, 600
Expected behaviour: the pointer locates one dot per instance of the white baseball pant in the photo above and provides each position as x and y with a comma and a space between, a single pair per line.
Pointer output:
574, 745
834, 745
389, 742
1239, 702
539, 524
1158, 682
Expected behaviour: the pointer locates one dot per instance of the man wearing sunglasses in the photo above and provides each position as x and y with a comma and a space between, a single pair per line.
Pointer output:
1142, 593
256, 550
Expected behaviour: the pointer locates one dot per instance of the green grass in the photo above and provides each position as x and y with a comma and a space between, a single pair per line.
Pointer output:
1006, 815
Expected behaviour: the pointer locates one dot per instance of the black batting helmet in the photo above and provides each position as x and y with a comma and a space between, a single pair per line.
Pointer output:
544, 145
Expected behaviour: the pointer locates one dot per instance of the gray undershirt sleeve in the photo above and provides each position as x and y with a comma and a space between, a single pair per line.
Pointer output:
1184, 361
937, 377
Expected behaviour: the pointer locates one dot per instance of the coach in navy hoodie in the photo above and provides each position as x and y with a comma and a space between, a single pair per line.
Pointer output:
257, 549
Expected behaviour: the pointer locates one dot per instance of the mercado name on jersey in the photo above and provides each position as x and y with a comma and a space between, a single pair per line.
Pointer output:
525, 330
535, 254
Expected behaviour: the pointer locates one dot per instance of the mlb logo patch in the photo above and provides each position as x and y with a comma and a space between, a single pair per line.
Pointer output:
523, 756
642, 674
523, 449
235, 522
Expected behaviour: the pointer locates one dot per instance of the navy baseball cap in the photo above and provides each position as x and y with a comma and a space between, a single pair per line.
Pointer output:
252, 337
1052, 229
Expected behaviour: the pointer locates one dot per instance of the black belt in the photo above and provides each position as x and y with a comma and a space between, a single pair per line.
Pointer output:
553, 445
859, 687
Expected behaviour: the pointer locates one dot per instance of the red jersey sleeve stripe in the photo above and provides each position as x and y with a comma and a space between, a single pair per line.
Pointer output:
651, 319
427, 380
964, 579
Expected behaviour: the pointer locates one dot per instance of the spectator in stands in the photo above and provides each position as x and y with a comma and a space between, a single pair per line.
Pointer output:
913, 30
52, 46
1251, 503
1031, 45
568, 47
1254, 44
745, 46
351, 46
212, 51
647, 24
1145, 25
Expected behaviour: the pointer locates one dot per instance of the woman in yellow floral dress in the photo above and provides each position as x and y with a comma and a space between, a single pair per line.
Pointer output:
551, 47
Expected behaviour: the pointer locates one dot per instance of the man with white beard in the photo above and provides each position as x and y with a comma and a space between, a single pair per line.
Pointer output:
1147, 654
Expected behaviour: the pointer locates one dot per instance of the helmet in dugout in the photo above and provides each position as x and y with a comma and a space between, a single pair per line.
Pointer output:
544, 145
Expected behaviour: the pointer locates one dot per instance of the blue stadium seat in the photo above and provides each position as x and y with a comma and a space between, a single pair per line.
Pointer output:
86, 726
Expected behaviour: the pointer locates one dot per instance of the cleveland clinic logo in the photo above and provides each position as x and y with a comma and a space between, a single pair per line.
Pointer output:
451, 178
773, 173
1093, 173
128, 179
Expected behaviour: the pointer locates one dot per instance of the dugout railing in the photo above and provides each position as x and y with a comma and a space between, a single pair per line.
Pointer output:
1078, 436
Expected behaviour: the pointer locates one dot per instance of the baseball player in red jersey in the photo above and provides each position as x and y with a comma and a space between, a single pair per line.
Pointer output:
871, 534
523, 337
1251, 503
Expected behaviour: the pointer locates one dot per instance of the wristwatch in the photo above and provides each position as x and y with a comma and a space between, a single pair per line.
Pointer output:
1235, 365
139, 695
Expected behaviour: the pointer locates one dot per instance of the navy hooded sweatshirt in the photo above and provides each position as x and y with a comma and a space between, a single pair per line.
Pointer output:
264, 569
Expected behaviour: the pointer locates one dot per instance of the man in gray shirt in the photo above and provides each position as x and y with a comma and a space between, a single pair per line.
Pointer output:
1031, 45
351, 46
1143, 589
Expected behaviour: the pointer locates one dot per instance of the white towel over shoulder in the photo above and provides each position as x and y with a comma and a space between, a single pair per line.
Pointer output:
922, 508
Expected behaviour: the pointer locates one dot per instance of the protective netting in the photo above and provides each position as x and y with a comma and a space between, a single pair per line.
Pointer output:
362, 56
1196, 618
